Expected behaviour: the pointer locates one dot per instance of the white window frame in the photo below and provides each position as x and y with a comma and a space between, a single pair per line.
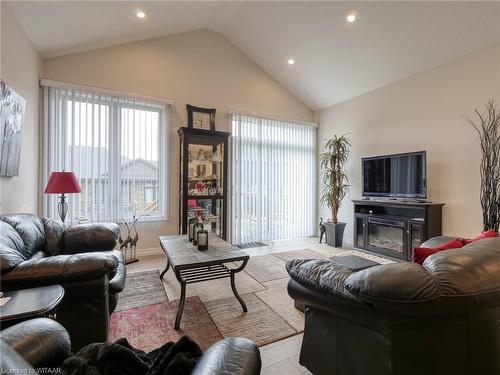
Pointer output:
115, 102
115, 159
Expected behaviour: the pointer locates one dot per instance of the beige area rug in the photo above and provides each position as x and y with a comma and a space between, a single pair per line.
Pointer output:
299, 254
266, 268
361, 254
271, 313
260, 324
276, 296
141, 289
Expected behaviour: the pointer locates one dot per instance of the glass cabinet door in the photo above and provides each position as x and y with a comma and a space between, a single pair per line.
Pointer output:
416, 234
203, 179
205, 170
205, 188
360, 230
208, 211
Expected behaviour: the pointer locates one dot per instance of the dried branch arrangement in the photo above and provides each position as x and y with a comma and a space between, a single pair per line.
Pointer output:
488, 129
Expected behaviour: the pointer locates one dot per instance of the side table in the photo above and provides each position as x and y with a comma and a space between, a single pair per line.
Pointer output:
30, 303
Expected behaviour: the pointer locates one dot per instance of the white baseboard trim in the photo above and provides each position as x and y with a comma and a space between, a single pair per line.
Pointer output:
348, 241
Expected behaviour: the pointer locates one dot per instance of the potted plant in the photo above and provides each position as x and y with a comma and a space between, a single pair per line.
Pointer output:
488, 130
335, 187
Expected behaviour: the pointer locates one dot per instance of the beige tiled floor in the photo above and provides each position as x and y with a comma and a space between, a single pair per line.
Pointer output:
281, 357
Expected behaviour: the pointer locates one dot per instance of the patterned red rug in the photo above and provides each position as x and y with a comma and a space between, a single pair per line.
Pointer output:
150, 327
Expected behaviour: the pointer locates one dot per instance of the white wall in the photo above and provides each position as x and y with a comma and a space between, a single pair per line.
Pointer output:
20, 68
424, 112
200, 68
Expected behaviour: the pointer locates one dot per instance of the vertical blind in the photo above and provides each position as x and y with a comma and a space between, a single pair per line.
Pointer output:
273, 179
116, 148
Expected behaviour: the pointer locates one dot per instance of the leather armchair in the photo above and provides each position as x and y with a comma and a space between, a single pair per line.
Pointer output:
38, 251
43, 343
442, 317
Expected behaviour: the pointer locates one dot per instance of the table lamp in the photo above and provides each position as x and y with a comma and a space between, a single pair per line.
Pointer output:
62, 183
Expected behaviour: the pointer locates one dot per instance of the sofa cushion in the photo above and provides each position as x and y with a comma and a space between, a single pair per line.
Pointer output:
54, 231
472, 270
396, 282
30, 229
39, 255
90, 237
60, 269
9, 258
10, 238
11, 247
324, 275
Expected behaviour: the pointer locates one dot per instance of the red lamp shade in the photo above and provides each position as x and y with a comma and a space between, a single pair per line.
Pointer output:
61, 183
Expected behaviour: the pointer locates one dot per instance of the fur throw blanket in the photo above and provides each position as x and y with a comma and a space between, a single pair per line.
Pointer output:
120, 358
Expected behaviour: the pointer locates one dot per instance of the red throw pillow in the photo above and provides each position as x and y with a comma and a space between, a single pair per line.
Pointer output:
484, 234
453, 244
421, 253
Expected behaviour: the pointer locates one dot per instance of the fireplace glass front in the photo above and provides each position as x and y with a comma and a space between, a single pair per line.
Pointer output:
388, 235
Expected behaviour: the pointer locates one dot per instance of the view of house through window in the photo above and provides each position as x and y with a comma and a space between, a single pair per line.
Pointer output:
115, 147
139, 145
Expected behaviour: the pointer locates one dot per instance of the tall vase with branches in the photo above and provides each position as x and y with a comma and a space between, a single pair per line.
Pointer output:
488, 129
335, 184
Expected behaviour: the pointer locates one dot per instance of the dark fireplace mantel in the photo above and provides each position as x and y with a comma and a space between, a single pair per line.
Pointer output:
395, 227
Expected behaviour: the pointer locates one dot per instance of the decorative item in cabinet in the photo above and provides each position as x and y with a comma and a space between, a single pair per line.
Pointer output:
203, 180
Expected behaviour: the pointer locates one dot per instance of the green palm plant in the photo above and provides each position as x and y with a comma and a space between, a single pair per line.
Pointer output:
332, 162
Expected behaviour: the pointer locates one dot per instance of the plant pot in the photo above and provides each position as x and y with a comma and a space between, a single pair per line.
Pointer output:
335, 234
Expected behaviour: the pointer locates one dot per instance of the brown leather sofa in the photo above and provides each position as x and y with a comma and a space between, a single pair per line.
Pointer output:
44, 344
403, 319
36, 251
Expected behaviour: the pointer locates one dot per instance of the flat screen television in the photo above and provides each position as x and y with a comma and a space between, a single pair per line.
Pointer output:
398, 175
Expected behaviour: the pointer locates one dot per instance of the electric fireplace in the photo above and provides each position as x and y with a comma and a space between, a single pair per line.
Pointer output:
394, 227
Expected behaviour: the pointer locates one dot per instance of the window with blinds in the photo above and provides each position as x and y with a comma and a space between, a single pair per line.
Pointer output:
116, 148
273, 180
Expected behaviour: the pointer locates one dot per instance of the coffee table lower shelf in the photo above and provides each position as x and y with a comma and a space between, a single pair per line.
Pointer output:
197, 274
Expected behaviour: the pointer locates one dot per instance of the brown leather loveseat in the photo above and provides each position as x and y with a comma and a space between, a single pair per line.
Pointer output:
439, 318
36, 251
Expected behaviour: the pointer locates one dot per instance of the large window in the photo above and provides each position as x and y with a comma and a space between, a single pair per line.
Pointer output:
273, 179
116, 148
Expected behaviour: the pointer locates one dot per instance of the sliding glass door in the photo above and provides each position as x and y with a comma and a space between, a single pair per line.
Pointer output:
273, 180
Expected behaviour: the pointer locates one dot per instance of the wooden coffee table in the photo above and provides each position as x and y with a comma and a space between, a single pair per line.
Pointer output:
191, 265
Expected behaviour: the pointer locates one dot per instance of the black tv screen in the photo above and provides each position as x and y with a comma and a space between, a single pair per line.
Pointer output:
399, 175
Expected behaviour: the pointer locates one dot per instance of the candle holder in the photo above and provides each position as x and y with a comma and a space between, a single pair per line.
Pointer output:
196, 228
190, 230
202, 239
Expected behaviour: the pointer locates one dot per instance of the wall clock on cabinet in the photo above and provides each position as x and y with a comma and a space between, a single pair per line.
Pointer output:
201, 118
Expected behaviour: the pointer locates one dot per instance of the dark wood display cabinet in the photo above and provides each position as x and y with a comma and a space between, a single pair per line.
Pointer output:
395, 227
203, 179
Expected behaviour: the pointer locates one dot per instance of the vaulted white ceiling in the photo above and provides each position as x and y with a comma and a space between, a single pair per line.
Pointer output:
334, 60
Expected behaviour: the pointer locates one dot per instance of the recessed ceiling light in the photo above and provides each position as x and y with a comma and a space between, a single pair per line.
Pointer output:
140, 14
351, 18
291, 61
